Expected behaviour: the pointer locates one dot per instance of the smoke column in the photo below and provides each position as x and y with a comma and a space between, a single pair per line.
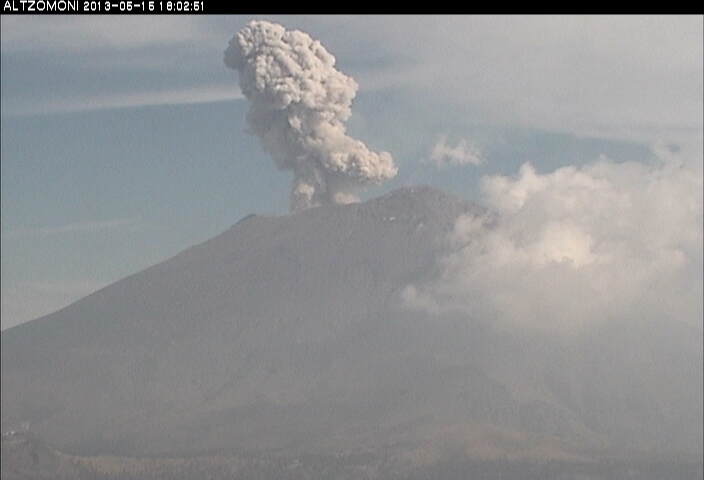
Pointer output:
299, 104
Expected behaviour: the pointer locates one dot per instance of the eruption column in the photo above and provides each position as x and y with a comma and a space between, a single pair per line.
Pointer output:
299, 104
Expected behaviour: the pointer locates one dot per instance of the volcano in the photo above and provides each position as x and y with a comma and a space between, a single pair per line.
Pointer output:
288, 334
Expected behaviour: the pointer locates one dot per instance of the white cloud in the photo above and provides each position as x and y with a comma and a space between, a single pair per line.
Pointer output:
579, 245
627, 77
463, 153
85, 33
131, 48
78, 227
177, 96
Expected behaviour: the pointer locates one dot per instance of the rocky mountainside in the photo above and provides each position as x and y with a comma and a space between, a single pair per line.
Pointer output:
288, 334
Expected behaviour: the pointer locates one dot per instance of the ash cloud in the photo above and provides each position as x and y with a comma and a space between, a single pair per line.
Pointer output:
299, 104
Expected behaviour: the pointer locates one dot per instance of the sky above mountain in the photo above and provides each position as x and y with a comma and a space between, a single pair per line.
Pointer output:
124, 139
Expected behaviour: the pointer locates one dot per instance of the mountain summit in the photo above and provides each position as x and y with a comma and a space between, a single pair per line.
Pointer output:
289, 334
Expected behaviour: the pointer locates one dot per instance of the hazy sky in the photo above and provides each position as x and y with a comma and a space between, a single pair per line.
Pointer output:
123, 138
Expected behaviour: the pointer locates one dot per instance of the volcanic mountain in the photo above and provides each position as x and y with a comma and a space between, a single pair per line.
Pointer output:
289, 334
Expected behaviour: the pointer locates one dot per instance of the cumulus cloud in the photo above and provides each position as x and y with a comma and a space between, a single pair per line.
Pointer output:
578, 245
299, 104
463, 153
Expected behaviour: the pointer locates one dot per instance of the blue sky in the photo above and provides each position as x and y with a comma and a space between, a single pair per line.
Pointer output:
124, 142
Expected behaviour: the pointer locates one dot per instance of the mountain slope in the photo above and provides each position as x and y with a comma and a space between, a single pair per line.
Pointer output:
288, 334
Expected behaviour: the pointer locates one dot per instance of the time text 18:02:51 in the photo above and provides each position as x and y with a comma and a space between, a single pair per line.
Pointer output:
144, 6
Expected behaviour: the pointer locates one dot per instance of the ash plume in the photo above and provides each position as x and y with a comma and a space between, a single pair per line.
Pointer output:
299, 104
